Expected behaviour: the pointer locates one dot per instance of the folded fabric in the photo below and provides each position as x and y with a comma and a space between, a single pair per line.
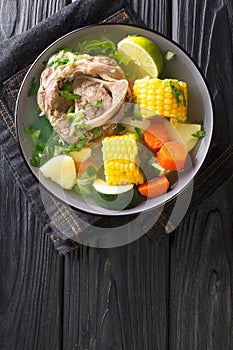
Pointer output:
69, 227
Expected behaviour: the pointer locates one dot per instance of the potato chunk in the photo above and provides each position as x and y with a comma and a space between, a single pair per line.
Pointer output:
60, 169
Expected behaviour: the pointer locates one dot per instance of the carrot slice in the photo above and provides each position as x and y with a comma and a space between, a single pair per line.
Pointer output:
172, 155
82, 166
155, 136
155, 187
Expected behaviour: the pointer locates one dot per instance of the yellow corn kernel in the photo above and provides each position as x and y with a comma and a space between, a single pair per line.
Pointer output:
121, 168
167, 97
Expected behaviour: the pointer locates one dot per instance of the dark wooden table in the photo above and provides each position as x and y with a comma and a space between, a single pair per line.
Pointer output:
173, 294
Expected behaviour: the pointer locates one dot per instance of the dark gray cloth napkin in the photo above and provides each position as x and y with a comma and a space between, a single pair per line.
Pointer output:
66, 226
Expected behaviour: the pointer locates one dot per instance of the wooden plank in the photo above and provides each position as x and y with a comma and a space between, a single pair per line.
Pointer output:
19, 16
30, 274
204, 30
201, 276
201, 248
155, 14
118, 298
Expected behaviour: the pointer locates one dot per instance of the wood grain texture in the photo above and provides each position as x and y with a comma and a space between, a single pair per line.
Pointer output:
202, 276
18, 16
117, 298
201, 249
205, 30
30, 274
155, 14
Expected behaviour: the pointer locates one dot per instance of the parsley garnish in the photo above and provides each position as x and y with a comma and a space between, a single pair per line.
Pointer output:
120, 128
65, 56
82, 140
95, 104
169, 56
66, 92
38, 110
139, 133
100, 47
77, 122
34, 88
69, 95
200, 134
177, 93
97, 132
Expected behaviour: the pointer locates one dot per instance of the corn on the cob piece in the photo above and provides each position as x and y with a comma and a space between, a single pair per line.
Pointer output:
166, 97
119, 155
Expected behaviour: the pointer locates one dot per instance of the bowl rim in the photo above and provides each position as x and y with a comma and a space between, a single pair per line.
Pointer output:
210, 130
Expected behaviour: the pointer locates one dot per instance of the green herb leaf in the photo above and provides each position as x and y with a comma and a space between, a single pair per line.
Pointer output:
34, 88
100, 47
139, 133
65, 56
38, 110
199, 134
97, 132
77, 122
33, 134
70, 110
169, 56
177, 93
69, 95
95, 104
89, 172
67, 86
93, 46
82, 140
120, 128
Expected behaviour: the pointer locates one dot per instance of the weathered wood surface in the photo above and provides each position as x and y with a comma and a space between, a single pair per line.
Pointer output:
201, 248
31, 274
174, 294
201, 276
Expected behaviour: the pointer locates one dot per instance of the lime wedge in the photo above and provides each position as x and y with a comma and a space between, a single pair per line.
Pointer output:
145, 54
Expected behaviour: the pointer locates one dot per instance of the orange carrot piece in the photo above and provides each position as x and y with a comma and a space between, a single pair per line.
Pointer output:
155, 187
82, 166
155, 136
172, 155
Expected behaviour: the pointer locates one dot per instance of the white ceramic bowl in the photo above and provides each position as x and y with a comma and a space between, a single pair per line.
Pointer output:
182, 68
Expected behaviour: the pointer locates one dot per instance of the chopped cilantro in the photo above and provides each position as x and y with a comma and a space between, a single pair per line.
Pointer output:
177, 93
199, 134
69, 95
38, 110
65, 56
82, 140
100, 47
67, 85
97, 132
120, 128
169, 56
95, 104
77, 122
139, 133
34, 88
